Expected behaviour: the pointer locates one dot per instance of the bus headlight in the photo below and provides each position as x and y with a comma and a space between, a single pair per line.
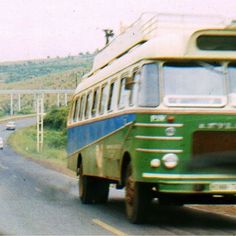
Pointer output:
155, 163
170, 160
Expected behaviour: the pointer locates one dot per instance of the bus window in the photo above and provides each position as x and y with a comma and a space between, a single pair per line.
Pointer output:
217, 42
134, 88
148, 95
94, 103
111, 96
194, 84
103, 99
76, 109
82, 102
88, 105
124, 94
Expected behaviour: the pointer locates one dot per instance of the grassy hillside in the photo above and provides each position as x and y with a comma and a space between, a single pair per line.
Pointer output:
57, 73
26, 70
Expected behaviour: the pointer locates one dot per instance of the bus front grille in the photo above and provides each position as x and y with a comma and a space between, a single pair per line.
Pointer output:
214, 152
209, 142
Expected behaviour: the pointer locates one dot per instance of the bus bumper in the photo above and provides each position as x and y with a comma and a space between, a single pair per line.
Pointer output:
192, 183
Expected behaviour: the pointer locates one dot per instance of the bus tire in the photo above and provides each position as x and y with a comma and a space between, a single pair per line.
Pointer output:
137, 199
86, 191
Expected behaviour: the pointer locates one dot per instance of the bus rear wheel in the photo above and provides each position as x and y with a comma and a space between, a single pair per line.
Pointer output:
92, 189
137, 199
85, 188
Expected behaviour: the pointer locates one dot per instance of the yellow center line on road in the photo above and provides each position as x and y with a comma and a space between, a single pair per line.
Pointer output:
109, 228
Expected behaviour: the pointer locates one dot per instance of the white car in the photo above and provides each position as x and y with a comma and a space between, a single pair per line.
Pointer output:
11, 125
1, 143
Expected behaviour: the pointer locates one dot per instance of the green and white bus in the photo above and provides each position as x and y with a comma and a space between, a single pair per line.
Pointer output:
157, 115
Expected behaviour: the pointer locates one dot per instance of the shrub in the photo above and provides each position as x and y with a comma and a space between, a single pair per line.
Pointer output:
55, 139
56, 118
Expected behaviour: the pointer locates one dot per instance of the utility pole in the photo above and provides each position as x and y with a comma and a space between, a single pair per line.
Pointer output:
40, 112
11, 106
58, 100
19, 102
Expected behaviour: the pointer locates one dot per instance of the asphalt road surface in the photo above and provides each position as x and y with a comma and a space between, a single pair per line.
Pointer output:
36, 200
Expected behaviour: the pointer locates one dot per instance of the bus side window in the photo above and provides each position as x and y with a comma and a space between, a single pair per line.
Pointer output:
111, 96
134, 88
94, 103
103, 99
88, 105
76, 109
148, 94
73, 111
82, 104
123, 94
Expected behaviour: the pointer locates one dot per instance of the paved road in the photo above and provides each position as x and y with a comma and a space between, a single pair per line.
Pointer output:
35, 200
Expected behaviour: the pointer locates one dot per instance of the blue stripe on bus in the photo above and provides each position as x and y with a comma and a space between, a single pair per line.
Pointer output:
80, 136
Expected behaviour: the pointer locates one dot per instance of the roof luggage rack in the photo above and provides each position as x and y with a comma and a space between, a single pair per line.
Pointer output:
145, 28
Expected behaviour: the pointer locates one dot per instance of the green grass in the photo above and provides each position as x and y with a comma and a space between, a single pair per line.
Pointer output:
23, 142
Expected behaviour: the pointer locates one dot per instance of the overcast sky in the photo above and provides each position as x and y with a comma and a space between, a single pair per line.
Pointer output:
40, 28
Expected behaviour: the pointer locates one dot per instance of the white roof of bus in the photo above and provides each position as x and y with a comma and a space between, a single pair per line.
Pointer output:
150, 25
167, 39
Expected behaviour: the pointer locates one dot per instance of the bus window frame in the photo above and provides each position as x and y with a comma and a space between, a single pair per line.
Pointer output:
112, 98
76, 109
134, 91
104, 87
95, 104
159, 84
122, 87
82, 107
71, 112
88, 103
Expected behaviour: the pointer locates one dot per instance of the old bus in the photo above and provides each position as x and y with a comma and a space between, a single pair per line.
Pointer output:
157, 115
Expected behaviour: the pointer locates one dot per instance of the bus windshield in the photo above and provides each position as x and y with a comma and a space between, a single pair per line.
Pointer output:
194, 84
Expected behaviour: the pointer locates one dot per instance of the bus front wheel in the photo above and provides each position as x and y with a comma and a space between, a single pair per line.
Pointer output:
137, 198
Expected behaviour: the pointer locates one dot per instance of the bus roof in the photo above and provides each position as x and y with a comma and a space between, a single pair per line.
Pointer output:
148, 26
159, 37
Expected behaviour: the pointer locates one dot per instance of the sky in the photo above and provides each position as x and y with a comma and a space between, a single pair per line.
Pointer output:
34, 29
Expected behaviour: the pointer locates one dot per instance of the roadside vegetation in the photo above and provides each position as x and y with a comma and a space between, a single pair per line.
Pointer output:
24, 140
